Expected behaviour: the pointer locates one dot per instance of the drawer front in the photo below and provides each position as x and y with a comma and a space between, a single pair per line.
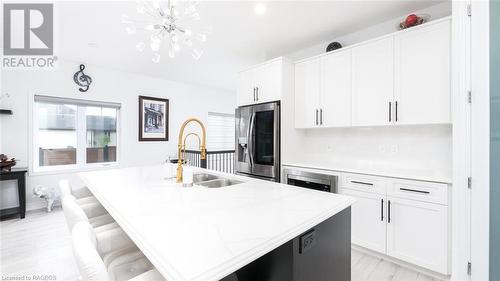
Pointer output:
420, 191
364, 183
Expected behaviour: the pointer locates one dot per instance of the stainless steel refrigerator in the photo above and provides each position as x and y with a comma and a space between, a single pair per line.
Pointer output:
258, 141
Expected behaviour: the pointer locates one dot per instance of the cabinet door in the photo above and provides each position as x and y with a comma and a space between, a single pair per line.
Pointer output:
336, 94
245, 88
307, 79
417, 232
269, 81
422, 73
373, 83
368, 220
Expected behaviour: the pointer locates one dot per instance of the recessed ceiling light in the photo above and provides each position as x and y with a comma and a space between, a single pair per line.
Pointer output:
260, 9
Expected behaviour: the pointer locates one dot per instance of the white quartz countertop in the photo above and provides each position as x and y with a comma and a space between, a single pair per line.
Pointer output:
199, 233
411, 173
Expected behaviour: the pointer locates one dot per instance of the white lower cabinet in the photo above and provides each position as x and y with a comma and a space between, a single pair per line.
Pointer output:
417, 232
404, 219
368, 228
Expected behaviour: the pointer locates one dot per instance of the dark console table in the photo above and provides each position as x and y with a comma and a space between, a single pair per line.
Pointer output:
18, 174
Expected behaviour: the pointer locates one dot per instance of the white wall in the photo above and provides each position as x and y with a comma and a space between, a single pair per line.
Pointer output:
108, 85
420, 151
435, 12
407, 150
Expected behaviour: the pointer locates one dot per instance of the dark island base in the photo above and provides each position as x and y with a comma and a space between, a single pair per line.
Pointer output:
323, 253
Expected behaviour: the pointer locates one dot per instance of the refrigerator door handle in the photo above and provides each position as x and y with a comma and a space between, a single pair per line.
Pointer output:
250, 138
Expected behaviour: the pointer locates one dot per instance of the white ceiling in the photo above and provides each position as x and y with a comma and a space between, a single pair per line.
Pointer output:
239, 37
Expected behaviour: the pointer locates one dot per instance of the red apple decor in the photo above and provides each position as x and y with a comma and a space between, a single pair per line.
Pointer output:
413, 20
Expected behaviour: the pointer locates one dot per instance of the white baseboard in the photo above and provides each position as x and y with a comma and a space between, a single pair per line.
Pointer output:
39, 204
401, 263
35, 205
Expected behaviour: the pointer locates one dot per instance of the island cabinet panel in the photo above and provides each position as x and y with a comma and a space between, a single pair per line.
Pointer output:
422, 75
328, 257
368, 222
417, 232
307, 91
322, 253
373, 83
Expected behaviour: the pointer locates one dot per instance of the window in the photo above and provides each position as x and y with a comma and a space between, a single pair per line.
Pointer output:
69, 133
221, 131
57, 137
101, 134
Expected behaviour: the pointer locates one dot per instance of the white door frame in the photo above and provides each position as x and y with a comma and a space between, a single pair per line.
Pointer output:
470, 216
480, 139
461, 117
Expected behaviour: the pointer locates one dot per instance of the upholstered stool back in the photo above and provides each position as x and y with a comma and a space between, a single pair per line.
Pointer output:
88, 261
73, 212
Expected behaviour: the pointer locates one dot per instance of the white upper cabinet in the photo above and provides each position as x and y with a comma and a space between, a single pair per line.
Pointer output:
323, 91
262, 83
373, 83
246, 88
398, 79
307, 91
335, 93
269, 82
422, 80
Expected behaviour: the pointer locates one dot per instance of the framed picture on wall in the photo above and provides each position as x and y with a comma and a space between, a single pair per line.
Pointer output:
153, 119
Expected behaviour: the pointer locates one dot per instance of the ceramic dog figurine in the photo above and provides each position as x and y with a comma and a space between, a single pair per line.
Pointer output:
50, 194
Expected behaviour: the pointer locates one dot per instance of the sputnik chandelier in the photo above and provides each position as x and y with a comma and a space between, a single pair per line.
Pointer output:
166, 23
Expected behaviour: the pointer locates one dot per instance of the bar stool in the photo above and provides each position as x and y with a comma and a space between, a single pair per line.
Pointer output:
75, 213
126, 263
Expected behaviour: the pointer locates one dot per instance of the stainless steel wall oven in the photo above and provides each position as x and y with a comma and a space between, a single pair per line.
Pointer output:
310, 180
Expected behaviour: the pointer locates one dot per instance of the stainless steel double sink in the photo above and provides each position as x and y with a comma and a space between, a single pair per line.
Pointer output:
213, 181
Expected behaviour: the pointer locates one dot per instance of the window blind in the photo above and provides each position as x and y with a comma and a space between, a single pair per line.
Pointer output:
60, 100
221, 131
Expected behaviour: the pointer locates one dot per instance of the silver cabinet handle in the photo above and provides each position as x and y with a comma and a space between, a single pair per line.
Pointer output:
396, 119
389, 211
363, 183
257, 93
414, 190
382, 210
316, 117
321, 116
390, 111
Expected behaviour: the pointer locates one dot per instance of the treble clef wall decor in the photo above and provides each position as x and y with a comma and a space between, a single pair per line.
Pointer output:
82, 80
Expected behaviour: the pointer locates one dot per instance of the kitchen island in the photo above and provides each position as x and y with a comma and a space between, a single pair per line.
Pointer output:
256, 229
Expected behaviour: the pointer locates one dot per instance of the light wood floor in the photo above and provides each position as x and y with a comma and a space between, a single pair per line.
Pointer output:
40, 245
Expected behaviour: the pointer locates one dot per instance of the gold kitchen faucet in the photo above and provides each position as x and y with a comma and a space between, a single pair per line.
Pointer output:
182, 145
